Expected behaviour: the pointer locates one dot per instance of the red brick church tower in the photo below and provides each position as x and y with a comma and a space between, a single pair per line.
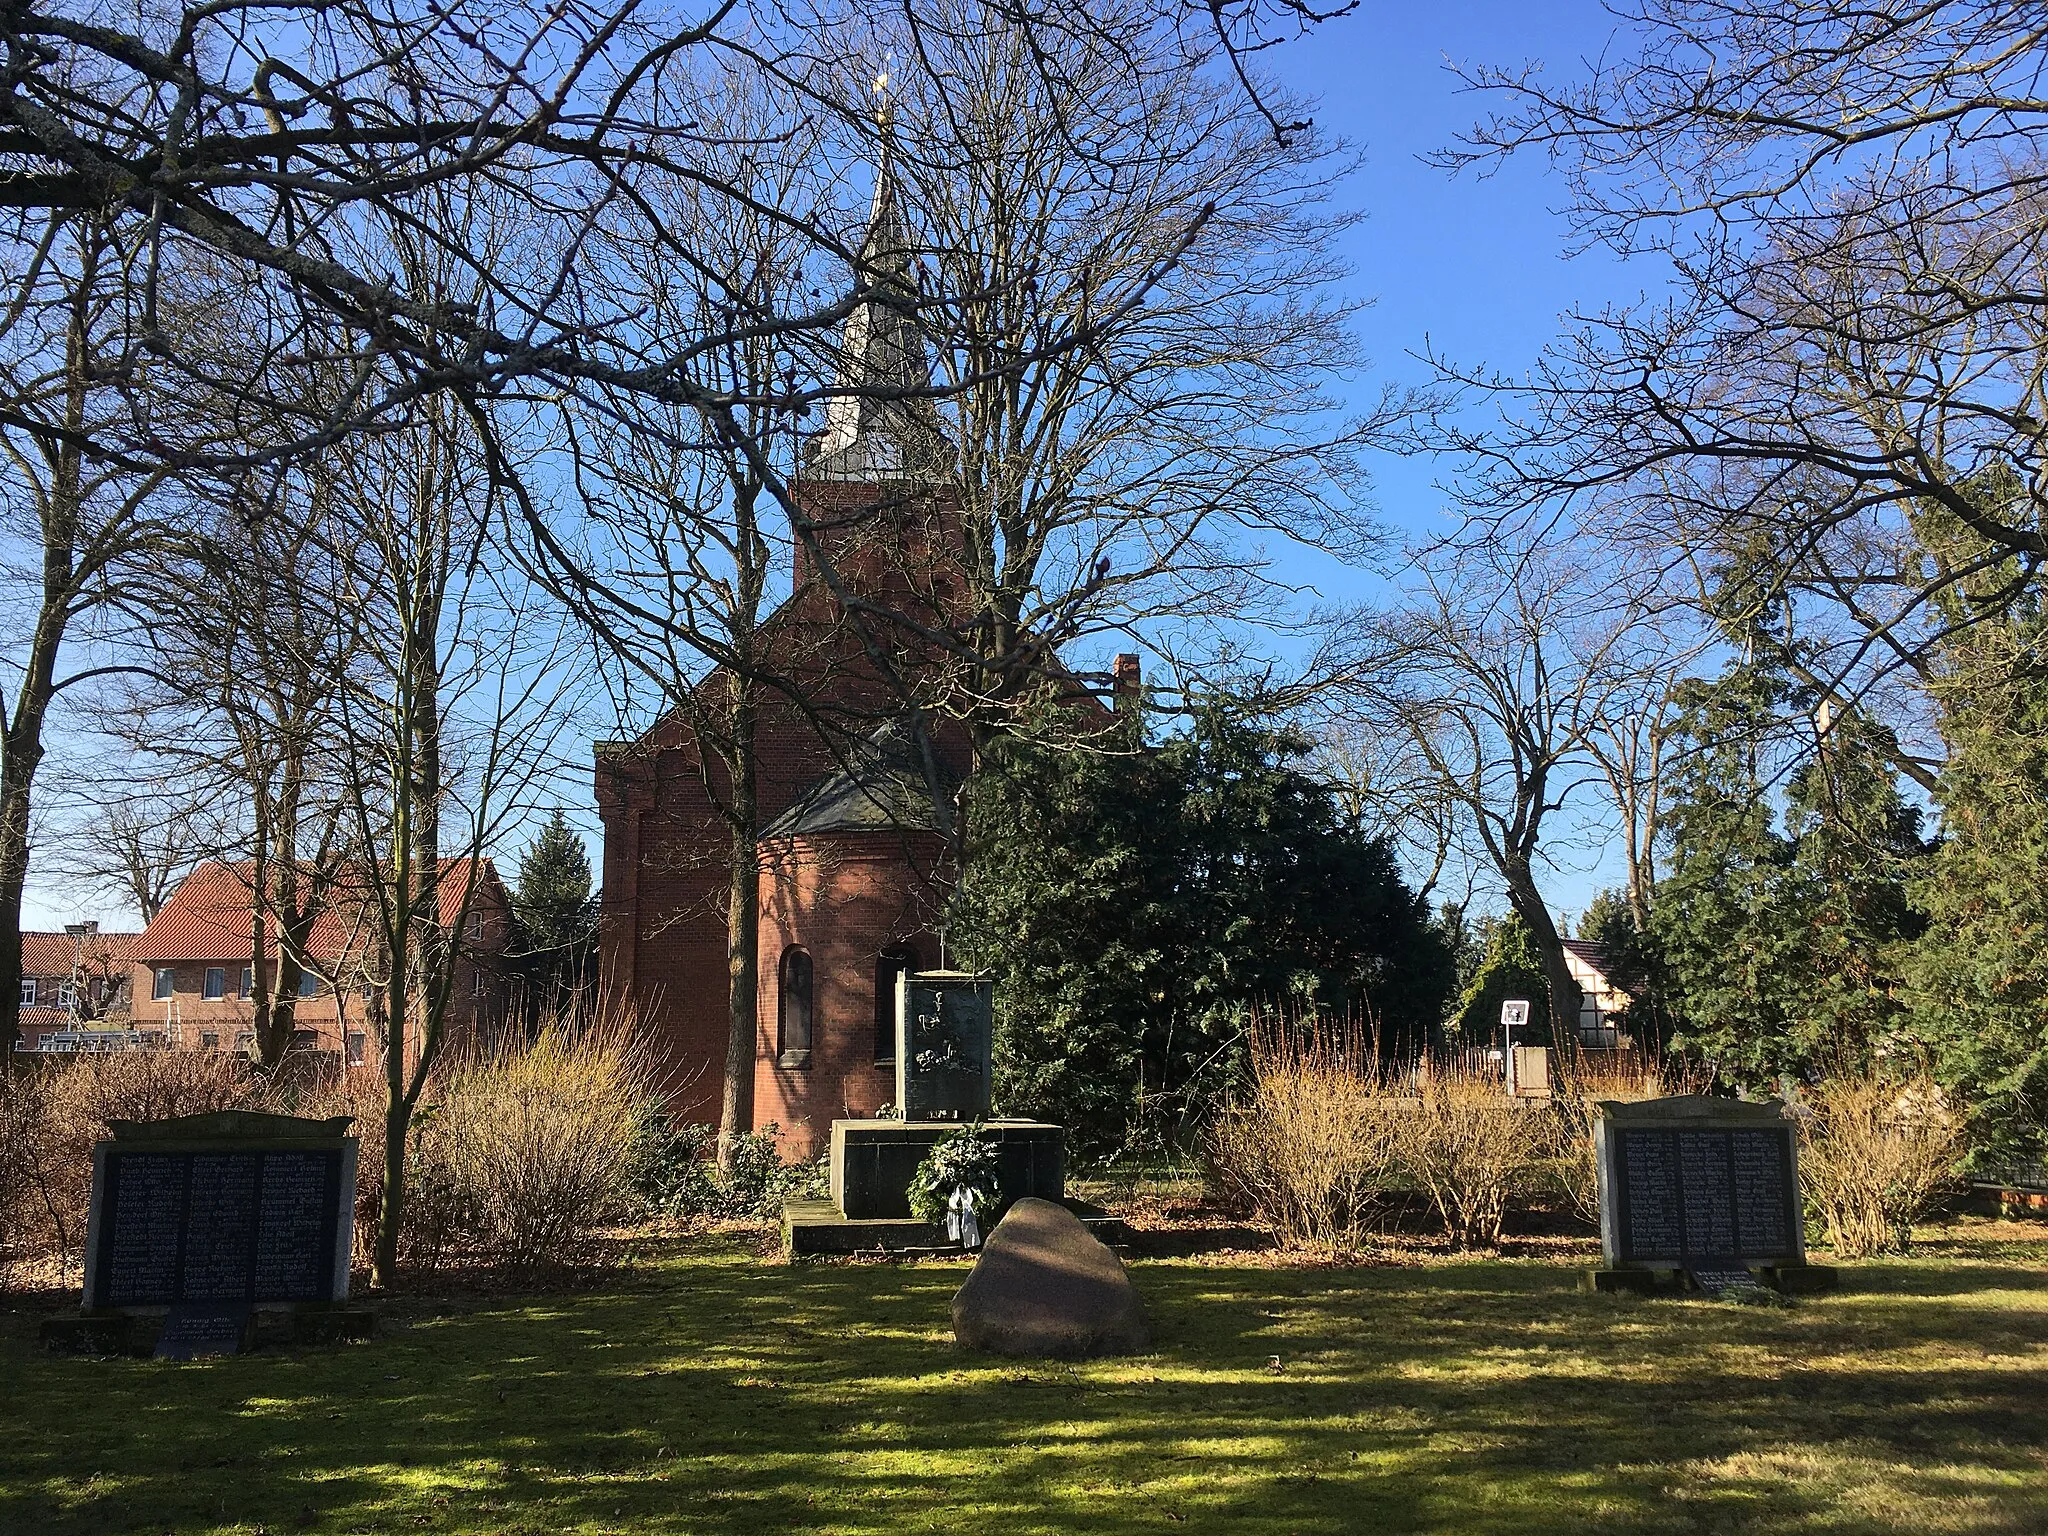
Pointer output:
855, 800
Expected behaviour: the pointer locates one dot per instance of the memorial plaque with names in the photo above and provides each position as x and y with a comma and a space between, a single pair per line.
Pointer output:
1698, 1183
232, 1208
944, 1048
199, 1330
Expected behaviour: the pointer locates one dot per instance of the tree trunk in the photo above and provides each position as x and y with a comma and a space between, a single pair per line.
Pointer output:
21, 744
391, 1205
14, 795
743, 937
1564, 992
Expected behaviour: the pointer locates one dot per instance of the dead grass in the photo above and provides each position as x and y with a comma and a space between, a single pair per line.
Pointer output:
1312, 1145
1582, 1083
527, 1154
52, 1112
522, 1156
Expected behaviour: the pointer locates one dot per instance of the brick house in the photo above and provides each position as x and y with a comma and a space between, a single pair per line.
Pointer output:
856, 794
193, 973
73, 980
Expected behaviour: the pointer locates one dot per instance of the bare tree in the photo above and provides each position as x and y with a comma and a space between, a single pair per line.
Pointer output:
448, 729
1125, 282
247, 144
73, 526
1847, 206
1500, 681
684, 528
135, 844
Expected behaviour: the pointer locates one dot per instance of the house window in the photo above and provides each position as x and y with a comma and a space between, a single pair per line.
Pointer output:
28, 991
248, 981
309, 984
305, 1039
889, 966
166, 979
67, 995
355, 1048
245, 1041
476, 987
793, 1015
216, 983
476, 925
209, 1040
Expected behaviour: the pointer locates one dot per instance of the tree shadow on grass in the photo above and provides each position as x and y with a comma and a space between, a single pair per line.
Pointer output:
733, 1397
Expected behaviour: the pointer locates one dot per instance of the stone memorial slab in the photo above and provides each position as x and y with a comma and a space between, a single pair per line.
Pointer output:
945, 1022
234, 1208
201, 1330
1701, 1185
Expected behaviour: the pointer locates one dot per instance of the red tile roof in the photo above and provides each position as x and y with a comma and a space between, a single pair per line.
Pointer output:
210, 915
54, 954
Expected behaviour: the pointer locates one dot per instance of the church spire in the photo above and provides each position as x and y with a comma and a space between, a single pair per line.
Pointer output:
890, 433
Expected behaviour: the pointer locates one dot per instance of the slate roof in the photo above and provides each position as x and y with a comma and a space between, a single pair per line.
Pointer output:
882, 787
210, 915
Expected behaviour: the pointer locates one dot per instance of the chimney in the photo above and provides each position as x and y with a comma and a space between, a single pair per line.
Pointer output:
1126, 680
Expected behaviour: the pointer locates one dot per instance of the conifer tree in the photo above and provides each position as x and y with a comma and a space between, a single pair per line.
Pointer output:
1980, 974
557, 919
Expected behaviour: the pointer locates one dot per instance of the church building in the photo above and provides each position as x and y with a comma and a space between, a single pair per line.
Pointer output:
858, 767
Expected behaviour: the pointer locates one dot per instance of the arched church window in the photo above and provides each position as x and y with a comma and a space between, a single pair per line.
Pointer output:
793, 1022
889, 965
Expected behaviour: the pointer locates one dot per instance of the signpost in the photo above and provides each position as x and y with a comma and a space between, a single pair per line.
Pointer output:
1514, 1015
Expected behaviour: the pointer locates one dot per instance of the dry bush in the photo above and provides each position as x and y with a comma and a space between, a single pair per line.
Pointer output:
1312, 1144
52, 1112
1874, 1148
1470, 1148
529, 1150
1582, 1084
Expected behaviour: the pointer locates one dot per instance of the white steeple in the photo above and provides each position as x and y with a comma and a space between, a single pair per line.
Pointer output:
890, 431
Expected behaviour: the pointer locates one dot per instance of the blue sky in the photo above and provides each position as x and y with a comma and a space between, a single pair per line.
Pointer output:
1474, 267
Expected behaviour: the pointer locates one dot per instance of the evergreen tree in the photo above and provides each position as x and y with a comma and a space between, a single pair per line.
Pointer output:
1509, 967
1780, 939
556, 917
1137, 907
1980, 974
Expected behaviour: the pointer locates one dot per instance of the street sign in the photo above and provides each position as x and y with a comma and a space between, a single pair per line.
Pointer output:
1514, 1013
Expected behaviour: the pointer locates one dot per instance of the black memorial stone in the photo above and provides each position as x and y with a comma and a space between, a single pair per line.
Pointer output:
944, 1051
1698, 1184
233, 1208
198, 1330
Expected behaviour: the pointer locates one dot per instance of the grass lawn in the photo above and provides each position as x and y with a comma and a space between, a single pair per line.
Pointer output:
710, 1392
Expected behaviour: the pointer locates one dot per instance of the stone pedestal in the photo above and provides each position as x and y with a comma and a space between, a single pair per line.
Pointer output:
873, 1162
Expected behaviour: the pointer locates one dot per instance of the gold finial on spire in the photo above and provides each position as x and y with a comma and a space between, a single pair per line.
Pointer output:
880, 90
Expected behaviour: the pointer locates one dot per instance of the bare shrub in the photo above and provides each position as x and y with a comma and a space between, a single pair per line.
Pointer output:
53, 1112
528, 1150
1584, 1081
1311, 1145
1874, 1148
1471, 1149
